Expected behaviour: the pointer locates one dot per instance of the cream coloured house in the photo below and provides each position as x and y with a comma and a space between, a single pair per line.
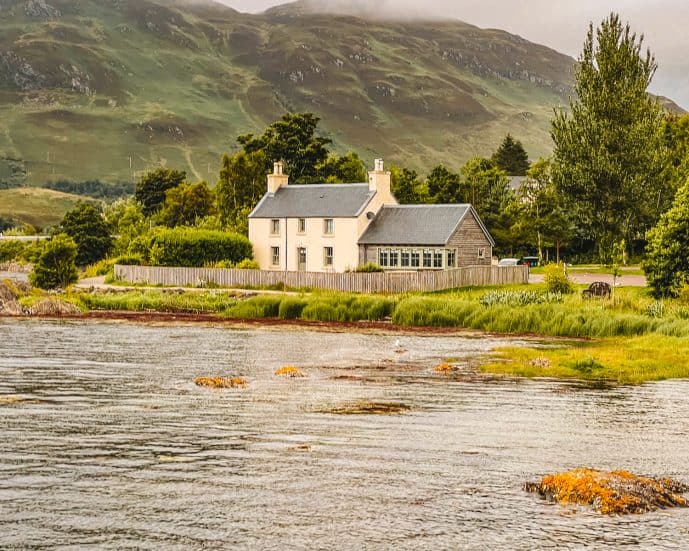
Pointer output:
336, 227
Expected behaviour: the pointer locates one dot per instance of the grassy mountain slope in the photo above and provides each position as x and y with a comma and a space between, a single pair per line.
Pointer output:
36, 206
90, 87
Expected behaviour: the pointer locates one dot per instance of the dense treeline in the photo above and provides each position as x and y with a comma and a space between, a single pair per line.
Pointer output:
108, 191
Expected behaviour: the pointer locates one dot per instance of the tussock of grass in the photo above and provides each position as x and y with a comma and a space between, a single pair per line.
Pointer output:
159, 301
622, 360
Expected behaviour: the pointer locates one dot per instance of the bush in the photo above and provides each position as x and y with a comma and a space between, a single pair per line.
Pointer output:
556, 280
56, 267
369, 267
248, 264
191, 247
11, 250
129, 260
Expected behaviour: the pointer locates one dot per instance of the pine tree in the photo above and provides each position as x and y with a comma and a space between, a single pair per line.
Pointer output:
511, 157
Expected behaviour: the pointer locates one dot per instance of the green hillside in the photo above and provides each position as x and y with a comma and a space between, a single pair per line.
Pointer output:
108, 88
35, 206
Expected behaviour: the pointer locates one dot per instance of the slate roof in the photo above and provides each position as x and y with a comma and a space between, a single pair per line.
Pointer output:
314, 201
430, 225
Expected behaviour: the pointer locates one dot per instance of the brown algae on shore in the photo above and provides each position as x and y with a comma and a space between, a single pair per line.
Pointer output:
611, 493
220, 382
444, 369
366, 407
290, 371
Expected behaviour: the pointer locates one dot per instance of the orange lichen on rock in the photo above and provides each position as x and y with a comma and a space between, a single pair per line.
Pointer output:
443, 369
220, 382
611, 493
290, 371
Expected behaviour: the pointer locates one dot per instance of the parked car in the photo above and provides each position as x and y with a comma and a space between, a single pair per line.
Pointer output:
508, 262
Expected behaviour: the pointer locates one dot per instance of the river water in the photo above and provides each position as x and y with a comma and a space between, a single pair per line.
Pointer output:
105, 442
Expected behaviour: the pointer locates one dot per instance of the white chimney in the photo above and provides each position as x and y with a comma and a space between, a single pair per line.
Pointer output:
277, 179
379, 180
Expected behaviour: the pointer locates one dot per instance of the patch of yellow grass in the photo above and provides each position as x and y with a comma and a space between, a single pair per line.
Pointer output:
220, 382
625, 360
290, 371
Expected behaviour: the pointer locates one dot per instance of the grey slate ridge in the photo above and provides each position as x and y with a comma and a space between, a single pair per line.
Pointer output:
430, 225
314, 201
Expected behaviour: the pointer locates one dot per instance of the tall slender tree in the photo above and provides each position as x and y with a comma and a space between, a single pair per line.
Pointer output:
609, 153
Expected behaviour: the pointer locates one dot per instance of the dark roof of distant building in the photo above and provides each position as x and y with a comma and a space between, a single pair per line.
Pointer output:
314, 201
430, 225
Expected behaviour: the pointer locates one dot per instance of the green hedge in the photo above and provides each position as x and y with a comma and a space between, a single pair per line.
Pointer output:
191, 247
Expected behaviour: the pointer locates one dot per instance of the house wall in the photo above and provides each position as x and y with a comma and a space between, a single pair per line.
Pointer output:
468, 239
343, 241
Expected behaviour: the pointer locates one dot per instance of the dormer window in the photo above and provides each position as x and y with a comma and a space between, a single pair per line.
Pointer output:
275, 227
328, 226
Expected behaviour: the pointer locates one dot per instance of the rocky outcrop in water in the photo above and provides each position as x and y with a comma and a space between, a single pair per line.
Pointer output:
611, 493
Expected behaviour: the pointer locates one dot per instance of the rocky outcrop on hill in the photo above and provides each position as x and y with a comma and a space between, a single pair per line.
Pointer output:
18, 73
39, 9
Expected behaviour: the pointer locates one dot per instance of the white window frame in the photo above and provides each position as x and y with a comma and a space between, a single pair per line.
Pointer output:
451, 253
428, 253
275, 256
415, 260
383, 258
405, 253
438, 255
328, 259
481, 253
328, 226
275, 226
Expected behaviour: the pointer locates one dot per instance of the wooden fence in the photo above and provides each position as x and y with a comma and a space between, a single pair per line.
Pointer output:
388, 282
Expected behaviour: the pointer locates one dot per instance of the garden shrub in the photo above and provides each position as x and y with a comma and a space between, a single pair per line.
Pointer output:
556, 280
191, 247
369, 267
56, 267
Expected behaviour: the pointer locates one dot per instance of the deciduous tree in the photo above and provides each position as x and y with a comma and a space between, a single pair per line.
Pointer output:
609, 156
89, 230
150, 191
667, 255
186, 203
292, 140
56, 267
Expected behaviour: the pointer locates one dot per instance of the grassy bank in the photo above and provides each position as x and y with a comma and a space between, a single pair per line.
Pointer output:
637, 339
621, 360
514, 310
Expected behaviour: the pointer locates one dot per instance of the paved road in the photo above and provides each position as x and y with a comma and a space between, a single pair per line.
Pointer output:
586, 279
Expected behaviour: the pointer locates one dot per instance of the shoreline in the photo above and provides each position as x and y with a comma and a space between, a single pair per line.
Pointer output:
364, 327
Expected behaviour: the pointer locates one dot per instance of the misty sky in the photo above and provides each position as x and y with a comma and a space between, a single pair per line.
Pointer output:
561, 25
